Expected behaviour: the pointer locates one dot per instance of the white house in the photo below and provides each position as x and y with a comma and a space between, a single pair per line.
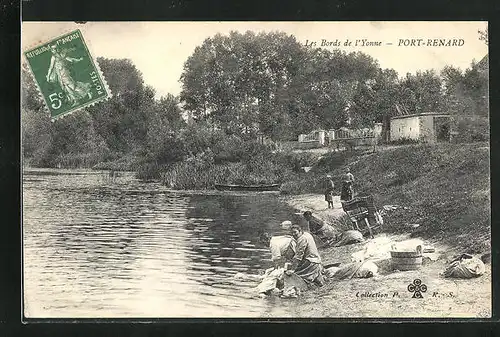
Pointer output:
430, 127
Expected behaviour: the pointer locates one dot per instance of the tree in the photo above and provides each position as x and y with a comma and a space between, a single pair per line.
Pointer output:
129, 122
164, 120
270, 83
123, 120
35, 121
456, 99
466, 97
483, 35
234, 79
465, 93
476, 83
421, 92
331, 82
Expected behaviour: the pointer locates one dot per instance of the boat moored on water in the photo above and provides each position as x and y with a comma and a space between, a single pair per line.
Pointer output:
249, 188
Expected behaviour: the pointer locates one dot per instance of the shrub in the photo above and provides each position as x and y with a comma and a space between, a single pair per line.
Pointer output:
334, 160
404, 141
232, 148
200, 136
77, 160
303, 183
194, 175
472, 129
150, 171
203, 172
296, 160
173, 149
229, 149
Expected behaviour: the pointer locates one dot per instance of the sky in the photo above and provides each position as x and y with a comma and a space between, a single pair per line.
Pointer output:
159, 49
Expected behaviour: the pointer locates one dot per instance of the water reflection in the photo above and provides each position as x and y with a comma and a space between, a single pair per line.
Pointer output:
95, 248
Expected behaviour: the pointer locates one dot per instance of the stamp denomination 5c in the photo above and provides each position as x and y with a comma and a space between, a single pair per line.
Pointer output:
68, 77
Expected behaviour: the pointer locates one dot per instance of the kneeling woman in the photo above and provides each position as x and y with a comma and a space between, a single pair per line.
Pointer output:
306, 262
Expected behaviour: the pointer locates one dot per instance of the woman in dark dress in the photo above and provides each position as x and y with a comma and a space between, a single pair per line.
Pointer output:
329, 191
347, 189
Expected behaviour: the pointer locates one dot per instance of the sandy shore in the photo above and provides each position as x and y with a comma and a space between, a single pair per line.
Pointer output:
386, 294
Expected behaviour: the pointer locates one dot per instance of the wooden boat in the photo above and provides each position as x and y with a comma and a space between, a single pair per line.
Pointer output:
249, 188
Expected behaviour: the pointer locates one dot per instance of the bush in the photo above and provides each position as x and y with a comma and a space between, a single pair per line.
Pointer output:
173, 149
200, 136
472, 129
232, 148
199, 150
85, 160
304, 183
202, 171
296, 160
229, 149
404, 141
334, 160
194, 175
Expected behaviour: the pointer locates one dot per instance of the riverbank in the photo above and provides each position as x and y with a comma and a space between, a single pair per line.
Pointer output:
438, 195
442, 192
386, 294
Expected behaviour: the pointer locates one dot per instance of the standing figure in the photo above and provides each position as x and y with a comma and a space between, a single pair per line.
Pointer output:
113, 175
329, 191
59, 73
347, 186
306, 262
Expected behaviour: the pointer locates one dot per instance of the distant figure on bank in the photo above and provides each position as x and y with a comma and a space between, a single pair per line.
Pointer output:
329, 191
306, 262
282, 248
318, 227
347, 186
113, 175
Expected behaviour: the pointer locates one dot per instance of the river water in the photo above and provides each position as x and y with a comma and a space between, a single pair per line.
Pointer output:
96, 247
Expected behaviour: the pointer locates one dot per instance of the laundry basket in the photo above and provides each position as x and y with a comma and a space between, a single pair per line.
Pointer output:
406, 260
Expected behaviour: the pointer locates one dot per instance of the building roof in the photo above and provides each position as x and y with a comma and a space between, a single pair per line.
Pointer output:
435, 114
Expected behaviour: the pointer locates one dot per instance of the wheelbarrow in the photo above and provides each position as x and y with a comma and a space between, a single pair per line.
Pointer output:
362, 210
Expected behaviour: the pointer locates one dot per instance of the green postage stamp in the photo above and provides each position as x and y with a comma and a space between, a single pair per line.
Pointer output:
68, 78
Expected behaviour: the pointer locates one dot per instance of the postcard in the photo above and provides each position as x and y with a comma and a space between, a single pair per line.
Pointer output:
255, 170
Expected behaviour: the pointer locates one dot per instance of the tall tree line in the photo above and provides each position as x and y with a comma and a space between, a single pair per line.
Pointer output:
270, 83
131, 121
242, 85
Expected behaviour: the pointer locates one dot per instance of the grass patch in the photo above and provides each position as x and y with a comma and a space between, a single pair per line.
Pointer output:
446, 188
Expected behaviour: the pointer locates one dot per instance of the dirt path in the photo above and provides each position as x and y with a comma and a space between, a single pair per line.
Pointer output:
386, 294
317, 205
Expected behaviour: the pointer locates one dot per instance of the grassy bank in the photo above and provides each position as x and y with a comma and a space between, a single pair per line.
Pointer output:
444, 189
97, 160
259, 165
